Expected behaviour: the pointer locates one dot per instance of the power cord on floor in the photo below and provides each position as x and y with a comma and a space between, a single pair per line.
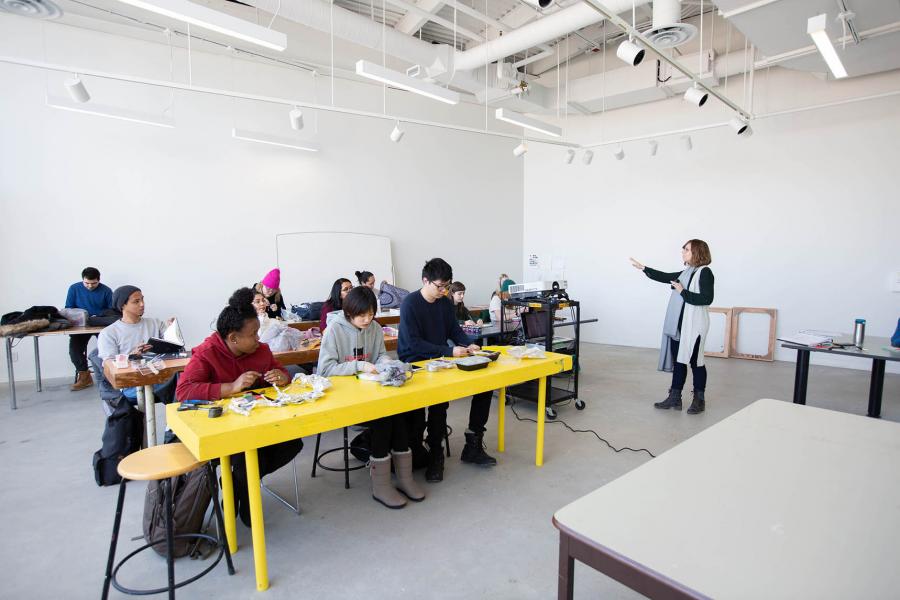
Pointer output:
567, 426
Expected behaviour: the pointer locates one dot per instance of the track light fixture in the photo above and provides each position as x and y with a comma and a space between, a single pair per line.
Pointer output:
570, 156
696, 96
587, 157
687, 143
521, 149
740, 126
397, 133
76, 89
654, 146
296, 118
619, 153
630, 52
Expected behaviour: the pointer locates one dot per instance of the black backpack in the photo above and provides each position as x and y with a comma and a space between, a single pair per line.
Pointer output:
122, 435
191, 498
308, 311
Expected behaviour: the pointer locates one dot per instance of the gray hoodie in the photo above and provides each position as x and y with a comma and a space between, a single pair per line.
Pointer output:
344, 346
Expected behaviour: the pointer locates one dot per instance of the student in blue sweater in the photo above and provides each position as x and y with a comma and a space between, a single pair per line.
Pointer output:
94, 297
427, 321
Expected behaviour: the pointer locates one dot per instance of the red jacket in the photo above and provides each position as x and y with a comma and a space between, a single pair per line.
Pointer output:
213, 364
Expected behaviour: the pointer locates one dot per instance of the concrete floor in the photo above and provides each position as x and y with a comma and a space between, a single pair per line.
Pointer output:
479, 534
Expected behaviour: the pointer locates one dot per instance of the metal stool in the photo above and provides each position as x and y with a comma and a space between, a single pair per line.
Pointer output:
160, 463
347, 468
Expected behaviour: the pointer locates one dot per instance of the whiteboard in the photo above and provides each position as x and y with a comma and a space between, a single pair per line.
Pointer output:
310, 261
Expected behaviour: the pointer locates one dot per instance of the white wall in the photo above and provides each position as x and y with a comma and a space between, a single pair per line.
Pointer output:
802, 217
189, 214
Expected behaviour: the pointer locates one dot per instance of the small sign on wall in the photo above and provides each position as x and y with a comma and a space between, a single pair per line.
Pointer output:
534, 261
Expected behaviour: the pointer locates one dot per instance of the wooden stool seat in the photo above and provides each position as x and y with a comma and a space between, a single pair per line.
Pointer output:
158, 462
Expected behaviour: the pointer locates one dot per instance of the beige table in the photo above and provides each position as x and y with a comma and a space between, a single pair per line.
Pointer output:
779, 500
36, 335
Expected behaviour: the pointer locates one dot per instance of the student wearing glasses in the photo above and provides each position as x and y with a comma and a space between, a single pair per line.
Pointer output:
427, 321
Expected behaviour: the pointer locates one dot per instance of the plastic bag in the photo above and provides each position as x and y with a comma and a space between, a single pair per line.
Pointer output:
527, 351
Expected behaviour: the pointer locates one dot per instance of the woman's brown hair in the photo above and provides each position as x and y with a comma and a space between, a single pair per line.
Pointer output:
700, 254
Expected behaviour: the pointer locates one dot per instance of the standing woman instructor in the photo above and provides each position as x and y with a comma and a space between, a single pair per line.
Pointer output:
686, 324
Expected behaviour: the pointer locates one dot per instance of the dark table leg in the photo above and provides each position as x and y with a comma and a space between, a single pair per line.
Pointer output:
876, 387
37, 364
566, 569
801, 375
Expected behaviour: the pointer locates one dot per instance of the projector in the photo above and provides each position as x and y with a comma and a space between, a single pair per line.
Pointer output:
537, 289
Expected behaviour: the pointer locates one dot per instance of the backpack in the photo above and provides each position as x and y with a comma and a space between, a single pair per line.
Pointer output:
122, 435
191, 498
308, 311
390, 296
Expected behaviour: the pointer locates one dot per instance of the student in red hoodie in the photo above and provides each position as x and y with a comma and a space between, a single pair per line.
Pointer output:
228, 362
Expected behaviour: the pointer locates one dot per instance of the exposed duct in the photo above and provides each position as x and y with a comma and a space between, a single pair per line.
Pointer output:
668, 31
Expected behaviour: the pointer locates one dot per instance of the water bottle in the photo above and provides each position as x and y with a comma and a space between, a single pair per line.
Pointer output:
859, 333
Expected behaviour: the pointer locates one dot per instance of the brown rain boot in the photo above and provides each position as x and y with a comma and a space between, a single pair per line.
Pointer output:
83, 380
405, 482
382, 490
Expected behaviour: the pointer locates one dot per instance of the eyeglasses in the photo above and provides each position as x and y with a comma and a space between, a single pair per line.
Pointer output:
441, 286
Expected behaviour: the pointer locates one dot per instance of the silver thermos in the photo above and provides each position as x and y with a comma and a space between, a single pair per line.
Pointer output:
859, 333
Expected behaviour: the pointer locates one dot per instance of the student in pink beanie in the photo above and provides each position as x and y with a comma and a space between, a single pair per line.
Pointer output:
270, 287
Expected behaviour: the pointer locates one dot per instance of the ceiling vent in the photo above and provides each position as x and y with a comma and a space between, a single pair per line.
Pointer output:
668, 31
36, 9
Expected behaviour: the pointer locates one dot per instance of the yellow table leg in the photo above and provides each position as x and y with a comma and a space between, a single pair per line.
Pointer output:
228, 504
256, 521
541, 413
501, 420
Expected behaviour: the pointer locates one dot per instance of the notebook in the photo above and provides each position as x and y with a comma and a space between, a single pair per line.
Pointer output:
171, 342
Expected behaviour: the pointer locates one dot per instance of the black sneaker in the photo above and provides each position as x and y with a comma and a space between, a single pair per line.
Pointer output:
434, 472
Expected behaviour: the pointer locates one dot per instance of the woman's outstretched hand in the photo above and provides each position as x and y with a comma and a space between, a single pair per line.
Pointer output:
636, 264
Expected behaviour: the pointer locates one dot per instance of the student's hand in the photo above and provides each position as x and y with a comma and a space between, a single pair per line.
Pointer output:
479, 322
460, 351
140, 349
245, 380
677, 285
469, 322
636, 264
276, 377
473, 348
169, 321
366, 367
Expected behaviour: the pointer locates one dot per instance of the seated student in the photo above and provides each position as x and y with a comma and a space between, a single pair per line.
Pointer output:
427, 321
339, 290
367, 279
354, 344
458, 295
269, 288
94, 297
500, 294
129, 335
275, 333
228, 362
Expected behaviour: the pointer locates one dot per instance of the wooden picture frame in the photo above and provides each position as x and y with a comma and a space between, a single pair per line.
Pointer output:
726, 352
735, 330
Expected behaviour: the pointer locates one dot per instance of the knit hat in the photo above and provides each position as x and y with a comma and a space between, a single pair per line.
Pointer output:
272, 279
122, 294
504, 287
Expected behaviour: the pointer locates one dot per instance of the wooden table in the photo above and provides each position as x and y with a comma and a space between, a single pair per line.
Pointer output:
778, 500
876, 349
37, 355
348, 402
130, 377
383, 320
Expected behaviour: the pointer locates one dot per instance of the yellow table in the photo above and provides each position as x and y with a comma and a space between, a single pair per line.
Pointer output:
348, 402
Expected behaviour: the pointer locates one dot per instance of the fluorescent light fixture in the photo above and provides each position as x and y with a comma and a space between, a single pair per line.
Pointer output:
397, 133
521, 149
570, 156
76, 89
378, 73
262, 138
654, 147
504, 114
213, 20
816, 27
296, 118
110, 112
587, 157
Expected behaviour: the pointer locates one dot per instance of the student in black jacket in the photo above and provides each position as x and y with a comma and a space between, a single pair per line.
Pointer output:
427, 321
